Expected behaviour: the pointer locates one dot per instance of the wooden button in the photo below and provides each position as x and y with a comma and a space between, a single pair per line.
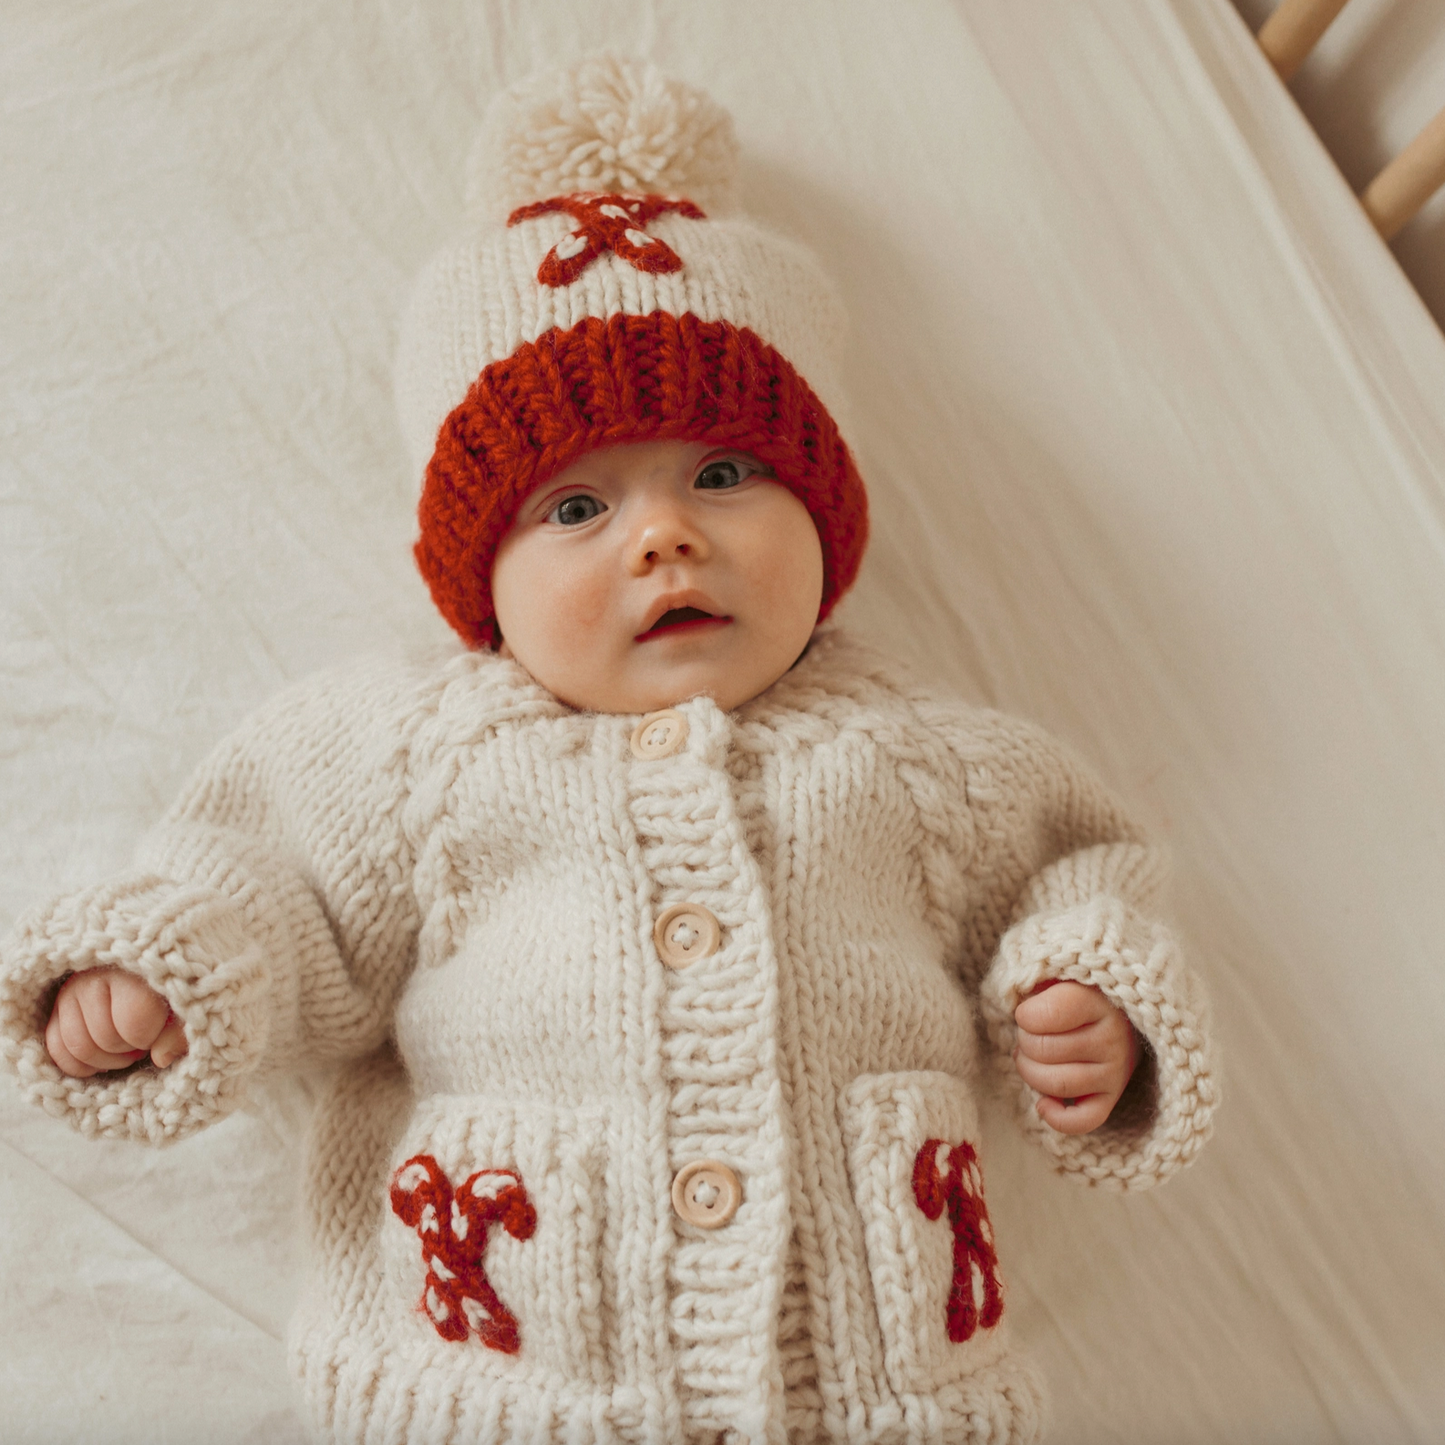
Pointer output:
706, 1193
659, 735
685, 932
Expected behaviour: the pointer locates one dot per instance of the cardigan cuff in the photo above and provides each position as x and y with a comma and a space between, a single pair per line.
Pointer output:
1166, 1113
189, 944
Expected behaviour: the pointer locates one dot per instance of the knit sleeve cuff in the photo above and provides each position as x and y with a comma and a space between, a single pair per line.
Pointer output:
186, 942
1166, 1114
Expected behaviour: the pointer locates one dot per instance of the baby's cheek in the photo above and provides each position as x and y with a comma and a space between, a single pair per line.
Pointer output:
582, 619
583, 598
571, 638
548, 605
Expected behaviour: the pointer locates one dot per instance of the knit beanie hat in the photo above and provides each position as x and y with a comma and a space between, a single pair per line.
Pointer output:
607, 291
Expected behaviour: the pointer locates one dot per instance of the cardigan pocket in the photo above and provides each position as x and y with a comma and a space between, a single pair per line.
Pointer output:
912, 1142
493, 1235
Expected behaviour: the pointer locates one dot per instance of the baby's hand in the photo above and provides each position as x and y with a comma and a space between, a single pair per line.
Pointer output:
1077, 1050
106, 1018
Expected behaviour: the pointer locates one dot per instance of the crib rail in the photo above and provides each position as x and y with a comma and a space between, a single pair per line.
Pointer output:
1293, 30
1401, 189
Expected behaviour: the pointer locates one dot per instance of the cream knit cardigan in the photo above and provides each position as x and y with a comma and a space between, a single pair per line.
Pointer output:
446, 880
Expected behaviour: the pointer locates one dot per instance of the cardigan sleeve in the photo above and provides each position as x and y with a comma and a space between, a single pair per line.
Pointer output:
1060, 884
272, 908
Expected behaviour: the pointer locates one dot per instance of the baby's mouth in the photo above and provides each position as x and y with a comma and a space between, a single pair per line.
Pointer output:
681, 619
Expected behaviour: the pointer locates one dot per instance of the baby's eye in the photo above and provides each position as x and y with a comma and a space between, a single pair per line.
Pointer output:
572, 510
727, 472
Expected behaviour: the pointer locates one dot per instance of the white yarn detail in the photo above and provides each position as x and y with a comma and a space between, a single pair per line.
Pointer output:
604, 124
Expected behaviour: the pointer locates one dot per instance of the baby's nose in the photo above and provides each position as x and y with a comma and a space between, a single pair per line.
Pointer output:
668, 536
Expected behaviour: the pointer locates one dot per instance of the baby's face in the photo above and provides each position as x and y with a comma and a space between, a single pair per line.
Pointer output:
649, 573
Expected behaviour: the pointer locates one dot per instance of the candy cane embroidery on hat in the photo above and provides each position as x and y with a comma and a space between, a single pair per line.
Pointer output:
607, 222
608, 291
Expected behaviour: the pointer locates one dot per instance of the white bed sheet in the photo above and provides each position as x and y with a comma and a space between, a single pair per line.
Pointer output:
1155, 435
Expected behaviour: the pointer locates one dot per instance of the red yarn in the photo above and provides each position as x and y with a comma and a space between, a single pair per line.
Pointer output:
960, 1186
606, 382
457, 1297
606, 223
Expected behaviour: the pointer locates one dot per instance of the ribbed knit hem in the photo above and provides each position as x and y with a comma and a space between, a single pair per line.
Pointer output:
361, 1388
604, 383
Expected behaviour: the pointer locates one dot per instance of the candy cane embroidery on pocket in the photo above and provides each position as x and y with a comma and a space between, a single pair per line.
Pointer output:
452, 1225
949, 1174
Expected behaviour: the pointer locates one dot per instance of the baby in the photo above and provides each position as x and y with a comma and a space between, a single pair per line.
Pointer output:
662, 935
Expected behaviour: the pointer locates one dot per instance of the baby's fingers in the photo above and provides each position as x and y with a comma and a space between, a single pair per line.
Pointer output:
142, 1019
60, 1053
1068, 1081
1060, 1007
69, 1041
171, 1044
121, 1013
1095, 1043
138, 1013
105, 1018
1074, 1098
1075, 1116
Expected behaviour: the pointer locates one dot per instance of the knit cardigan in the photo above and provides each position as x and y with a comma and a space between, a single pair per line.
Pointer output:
446, 882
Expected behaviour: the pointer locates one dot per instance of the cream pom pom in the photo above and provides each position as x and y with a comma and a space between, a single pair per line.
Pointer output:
605, 124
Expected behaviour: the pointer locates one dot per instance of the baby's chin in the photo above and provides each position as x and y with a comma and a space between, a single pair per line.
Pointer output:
662, 683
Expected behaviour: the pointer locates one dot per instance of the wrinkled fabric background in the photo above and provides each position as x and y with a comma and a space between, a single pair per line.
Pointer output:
1154, 429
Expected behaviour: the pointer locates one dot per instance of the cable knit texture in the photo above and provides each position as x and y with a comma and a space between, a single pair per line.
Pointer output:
448, 881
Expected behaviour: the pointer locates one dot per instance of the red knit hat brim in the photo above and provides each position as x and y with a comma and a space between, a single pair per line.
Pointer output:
605, 382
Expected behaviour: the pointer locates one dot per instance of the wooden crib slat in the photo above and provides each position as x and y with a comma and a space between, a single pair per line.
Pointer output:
1292, 31
1398, 192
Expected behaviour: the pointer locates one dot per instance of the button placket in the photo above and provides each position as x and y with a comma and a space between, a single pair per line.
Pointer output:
721, 1083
